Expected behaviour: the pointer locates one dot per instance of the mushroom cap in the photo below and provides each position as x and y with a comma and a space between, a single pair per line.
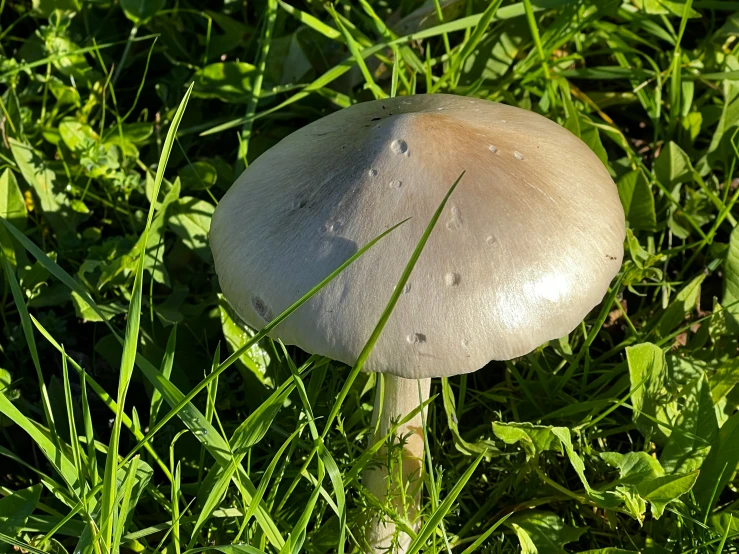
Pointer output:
526, 246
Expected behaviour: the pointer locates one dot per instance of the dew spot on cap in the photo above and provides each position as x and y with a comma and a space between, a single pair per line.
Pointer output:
407, 288
297, 204
518, 155
416, 338
399, 146
491, 240
261, 307
332, 226
493, 148
452, 279
396, 184
372, 172
456, 220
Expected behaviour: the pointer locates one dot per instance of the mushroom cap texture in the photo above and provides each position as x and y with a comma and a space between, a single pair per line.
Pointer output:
526, 246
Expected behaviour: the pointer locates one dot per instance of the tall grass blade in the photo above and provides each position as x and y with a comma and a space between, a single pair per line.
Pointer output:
130, 344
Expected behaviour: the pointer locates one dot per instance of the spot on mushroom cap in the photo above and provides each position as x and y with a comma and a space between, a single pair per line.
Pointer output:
526, 247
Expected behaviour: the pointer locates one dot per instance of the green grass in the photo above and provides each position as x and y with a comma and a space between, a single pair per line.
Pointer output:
123, 123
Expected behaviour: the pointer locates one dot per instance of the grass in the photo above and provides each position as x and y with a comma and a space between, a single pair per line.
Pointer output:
138, 414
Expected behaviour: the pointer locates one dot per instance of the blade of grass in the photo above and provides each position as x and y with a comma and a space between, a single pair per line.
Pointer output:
131, 339
30, 340
482, 538
54, 487
534, 28
311, 21
676, 72
56, 455
128, 484
19, 545
256, 91
440, 19
724, 538
387, 34
174, 497
443, 509
266, 477
354, 48
479, 31
73, 437
294, 545
211, 391
92, 468
166, 371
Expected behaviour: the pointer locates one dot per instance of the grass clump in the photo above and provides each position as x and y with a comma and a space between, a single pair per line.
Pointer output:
137, 413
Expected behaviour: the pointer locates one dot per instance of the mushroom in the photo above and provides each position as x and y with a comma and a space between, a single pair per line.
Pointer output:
526, 247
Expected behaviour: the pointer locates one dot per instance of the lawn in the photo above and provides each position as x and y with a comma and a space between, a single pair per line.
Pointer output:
139, 414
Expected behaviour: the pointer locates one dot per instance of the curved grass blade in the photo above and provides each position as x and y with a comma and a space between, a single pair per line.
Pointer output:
56, 456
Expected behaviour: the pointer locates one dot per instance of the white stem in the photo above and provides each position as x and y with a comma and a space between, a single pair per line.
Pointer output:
401, 396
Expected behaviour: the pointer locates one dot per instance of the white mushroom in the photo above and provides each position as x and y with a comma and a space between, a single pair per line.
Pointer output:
527, 246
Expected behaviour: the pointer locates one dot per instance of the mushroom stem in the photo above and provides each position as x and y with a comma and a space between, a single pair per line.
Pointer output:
403, 486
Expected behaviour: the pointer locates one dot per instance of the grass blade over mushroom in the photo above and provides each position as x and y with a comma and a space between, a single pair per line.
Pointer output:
255, 339
364, 354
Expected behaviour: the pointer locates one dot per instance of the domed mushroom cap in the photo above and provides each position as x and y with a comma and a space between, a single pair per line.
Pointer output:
526, 247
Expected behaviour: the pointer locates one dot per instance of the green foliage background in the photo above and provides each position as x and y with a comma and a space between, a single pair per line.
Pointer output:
622, 437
